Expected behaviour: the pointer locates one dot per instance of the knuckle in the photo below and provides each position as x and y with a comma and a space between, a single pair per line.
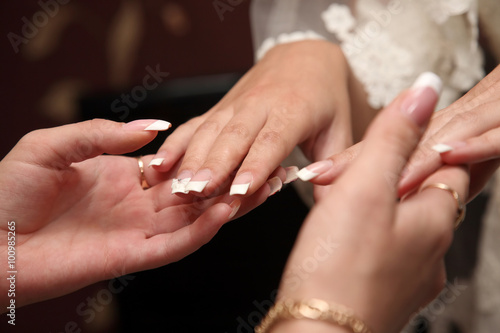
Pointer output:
467, 118
237, 129
209, 126
269, 138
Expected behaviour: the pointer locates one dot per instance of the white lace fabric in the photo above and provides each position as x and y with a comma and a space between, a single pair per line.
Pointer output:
387, 43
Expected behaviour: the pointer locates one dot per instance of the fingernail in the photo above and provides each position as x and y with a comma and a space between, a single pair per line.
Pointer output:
158, 159
147, 125
199, 181
314, 170
291, 174
156, 162
442, 148
241, 184
275, 184
446, 147
179, 183
421, 100
235, 205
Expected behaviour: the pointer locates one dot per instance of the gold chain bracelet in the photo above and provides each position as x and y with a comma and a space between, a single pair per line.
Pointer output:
313, 309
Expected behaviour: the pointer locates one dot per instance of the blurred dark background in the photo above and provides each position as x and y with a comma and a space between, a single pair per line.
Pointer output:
71, 62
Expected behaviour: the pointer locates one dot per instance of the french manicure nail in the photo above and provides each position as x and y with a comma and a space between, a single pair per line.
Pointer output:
147, 125
275, 184
179, 183
199, 181
421, 100
241, 184
235, 205
313, 170
442, 148
156, 162
429, 79
291, 174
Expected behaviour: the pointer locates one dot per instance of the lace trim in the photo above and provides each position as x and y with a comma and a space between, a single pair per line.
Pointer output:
284, 38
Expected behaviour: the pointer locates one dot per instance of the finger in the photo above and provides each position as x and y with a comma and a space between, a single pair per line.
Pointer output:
59, 147
226, 153
274, 142
201, 143
477, 149
326, 171
472, 120
394, 134
434, 211
175, 146
166, 248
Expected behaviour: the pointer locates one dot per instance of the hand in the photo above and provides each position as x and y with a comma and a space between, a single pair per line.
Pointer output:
297, 94
384, 258
470, 126
80, 218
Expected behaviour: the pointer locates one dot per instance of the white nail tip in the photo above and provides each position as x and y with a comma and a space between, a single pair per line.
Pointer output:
156, 162
429, 79
179, 185
306, 175
275, 184
291, 174
442, 148
196, 186
241, 189
159, 125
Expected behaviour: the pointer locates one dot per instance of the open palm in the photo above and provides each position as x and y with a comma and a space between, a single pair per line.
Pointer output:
78, 223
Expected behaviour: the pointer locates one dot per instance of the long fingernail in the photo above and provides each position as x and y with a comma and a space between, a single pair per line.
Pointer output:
446, 147
442, 148
420, 102
179, 183
275, 185
291, 174
235, 205
156, 162
241, 184
147, 125
313, 170
158, 159
199, 181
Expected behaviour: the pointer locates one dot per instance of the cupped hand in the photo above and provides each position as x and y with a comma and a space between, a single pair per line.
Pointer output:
467, 133
81, 218
362, 248
297, 94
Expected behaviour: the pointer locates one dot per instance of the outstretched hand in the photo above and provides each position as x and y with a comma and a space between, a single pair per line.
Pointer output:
81, 218
297, 94
467, 131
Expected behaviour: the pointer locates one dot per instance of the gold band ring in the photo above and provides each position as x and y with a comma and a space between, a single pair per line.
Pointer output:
144, 183
460, 203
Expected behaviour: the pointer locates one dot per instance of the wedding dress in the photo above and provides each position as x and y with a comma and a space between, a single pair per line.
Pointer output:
388, 44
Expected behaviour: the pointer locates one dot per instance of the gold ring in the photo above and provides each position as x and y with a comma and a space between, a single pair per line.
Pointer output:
460, 204
144, 183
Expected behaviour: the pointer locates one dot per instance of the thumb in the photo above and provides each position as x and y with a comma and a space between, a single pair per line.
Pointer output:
61, 146
395, 133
